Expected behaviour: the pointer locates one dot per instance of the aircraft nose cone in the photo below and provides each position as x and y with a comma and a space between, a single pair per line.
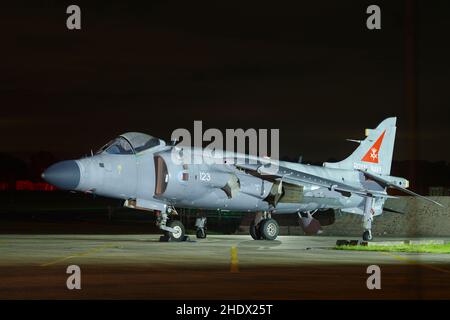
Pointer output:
64, 175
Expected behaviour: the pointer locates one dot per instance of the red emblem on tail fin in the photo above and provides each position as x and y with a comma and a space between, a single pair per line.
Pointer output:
372, 154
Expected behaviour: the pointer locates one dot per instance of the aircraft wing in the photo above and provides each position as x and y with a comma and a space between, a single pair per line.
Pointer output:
390, 184
299, 177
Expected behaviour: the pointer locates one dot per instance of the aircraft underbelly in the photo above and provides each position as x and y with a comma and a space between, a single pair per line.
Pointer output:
216, 200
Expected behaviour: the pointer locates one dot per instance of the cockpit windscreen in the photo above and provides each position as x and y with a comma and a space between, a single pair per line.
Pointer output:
130, 143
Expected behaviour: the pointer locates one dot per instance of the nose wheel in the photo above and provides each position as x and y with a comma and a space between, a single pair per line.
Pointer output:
173, 230
178, 231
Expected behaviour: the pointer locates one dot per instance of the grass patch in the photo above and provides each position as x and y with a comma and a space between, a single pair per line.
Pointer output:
417, 248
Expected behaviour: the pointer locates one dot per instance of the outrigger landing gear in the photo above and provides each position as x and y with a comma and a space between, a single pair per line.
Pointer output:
263, 227
368, 218
367, 235
200, 224
173, 230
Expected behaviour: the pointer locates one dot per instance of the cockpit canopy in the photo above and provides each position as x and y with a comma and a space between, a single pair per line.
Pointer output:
131, 143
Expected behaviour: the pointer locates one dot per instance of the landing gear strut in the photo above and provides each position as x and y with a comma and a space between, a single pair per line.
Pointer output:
173, 230
263, 227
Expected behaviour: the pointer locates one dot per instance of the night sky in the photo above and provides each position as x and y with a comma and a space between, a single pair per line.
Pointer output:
311, 69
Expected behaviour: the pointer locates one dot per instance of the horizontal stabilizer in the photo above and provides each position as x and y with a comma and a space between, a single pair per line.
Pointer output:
390, 184
392, 210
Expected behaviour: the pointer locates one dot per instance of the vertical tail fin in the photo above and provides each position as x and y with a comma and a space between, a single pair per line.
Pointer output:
374, 153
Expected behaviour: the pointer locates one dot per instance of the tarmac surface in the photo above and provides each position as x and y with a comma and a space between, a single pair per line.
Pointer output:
219, 267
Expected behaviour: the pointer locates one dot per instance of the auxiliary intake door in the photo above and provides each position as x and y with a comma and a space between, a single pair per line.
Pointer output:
288, 193
162, 176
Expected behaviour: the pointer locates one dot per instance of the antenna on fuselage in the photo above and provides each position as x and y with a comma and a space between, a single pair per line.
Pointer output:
353, 140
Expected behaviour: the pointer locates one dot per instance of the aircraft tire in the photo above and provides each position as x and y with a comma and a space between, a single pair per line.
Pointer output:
201, 233
255, 231
367, 236
179, 235
269, 229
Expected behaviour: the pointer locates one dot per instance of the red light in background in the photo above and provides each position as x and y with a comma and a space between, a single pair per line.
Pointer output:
26, 185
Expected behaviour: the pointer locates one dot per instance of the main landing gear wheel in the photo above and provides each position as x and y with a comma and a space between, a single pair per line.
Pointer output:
266, 229
367, 235
254, 231
178, 234
269, 229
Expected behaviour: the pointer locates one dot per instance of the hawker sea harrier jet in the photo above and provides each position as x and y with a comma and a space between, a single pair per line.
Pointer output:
143, 171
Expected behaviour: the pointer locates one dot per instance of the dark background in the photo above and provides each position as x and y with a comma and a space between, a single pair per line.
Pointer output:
311, 69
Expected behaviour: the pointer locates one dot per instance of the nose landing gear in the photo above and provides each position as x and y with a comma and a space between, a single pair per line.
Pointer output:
173, 230
178, 233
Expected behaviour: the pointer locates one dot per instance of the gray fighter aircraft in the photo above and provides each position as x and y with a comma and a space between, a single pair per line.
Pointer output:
141, 170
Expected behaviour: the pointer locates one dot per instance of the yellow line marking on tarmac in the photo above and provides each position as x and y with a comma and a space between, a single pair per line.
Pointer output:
81, 254
234, 260
411, 261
